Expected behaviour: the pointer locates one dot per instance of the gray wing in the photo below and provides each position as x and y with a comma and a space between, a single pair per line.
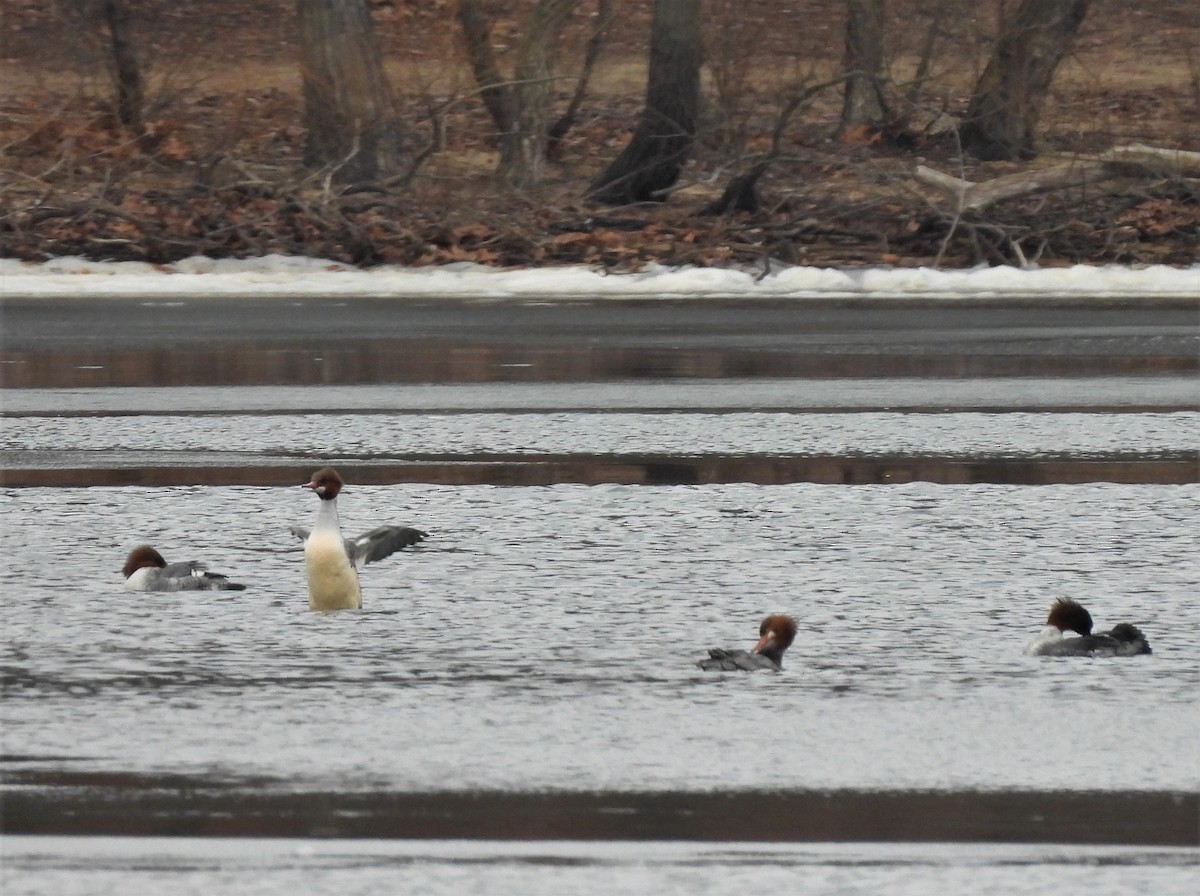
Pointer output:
382, 542
1129, 640
1123, 640
189, 575
721, 660
182, 569
374, 545
214, 581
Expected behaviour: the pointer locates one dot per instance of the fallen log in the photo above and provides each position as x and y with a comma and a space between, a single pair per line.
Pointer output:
1121, 161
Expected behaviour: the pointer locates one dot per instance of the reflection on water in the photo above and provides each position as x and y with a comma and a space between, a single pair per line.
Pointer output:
546, 638
40, 865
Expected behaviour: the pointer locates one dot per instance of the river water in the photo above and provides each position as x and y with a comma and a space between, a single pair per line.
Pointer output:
545, 639
38, 865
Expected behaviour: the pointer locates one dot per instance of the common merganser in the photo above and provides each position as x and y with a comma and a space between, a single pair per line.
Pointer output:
332, 562
1069, 615
776, 634
146, 570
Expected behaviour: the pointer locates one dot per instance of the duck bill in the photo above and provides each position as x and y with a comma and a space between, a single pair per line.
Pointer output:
763, 642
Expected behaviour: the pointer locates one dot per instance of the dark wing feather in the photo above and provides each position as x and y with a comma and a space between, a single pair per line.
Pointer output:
189, 575
1129, 640
374, 545
1123, 640
214, 581
382, 542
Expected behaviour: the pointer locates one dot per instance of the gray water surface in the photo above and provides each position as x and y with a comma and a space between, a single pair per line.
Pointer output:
238, 426
546, 638
1133, 393
74, 867
396, 435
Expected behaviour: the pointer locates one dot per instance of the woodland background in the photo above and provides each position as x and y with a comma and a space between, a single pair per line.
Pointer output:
215, 164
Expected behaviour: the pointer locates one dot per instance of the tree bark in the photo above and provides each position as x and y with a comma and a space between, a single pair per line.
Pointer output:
502, 97
1003, 115
938, 13
523, 146
482, 59
128, 72
348, 106
652, 161
595, 43
863, 102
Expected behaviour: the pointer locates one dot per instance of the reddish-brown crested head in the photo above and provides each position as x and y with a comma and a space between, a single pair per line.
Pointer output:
326, 483
775, 634
1068, 615
141, 557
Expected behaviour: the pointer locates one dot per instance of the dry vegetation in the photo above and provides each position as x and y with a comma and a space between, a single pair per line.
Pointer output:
218, 171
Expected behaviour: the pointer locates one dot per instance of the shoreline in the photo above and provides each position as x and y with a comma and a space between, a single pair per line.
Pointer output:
338, 340
58, 803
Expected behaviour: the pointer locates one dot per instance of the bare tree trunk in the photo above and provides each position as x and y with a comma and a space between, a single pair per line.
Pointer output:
501, 96
493, 88
863, 102
1002, 118
937, 14
128, 72
653, 159
348, 106
560, 128
523, 146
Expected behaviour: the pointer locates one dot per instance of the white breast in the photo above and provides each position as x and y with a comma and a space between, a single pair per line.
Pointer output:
1048, 637
332, 579
141, 579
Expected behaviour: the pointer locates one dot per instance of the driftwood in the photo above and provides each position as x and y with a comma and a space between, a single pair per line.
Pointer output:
1121, 161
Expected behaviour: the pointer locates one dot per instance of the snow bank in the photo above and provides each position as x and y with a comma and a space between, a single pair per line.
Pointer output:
279, 276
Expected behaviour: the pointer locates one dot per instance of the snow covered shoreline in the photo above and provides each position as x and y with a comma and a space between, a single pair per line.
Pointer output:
278, 276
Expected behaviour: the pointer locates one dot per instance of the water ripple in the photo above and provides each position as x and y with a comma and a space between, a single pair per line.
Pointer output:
546, 637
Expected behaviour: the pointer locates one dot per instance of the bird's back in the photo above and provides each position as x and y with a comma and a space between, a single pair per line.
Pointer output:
722, 660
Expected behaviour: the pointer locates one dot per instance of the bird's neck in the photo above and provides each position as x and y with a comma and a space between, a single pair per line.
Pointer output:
774, 653
327, 518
